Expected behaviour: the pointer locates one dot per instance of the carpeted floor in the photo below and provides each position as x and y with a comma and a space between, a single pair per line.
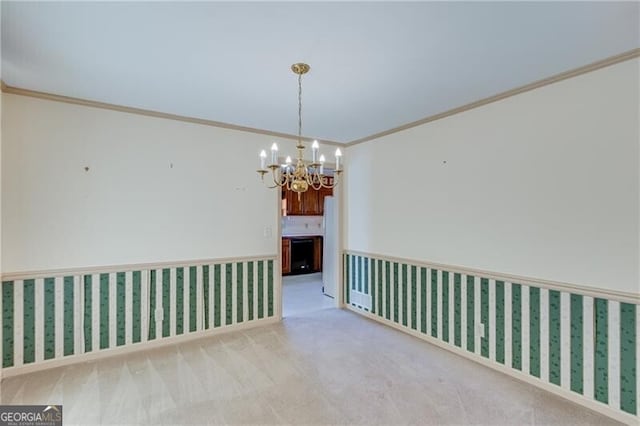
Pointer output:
319, 366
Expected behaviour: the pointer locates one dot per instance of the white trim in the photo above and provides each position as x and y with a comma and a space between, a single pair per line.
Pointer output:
113, 311
173, 300
526, 321
265, 290
212, 277
223, 292
78, 315
159, 291
234, 293
128, 310
534, 282
614, 354
59, 317
492, 320
90, 270
463, 311
373, 290
145, 279
544, 334
477, 304
392, 300
18, 323
565, 340
568, 395
39, 319
245, 292
121, 350
508, 322
199, 298
439, 316
383, 271
95, 312
186, 298
255, 291
451, 309
588, 346
402, 297
429, 301
407, 297
418, 298
414, 276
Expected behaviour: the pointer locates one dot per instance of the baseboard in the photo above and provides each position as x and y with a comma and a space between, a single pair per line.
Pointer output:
136, 347
556, 390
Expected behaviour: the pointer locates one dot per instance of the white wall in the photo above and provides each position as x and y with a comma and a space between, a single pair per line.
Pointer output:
131, 206
544, 184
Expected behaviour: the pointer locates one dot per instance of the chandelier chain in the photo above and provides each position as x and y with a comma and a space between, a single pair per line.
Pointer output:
299, 108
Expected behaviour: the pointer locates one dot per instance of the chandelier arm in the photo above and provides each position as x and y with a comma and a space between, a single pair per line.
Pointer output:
287, 180
311, 180
333, 185
316, 176
277, 179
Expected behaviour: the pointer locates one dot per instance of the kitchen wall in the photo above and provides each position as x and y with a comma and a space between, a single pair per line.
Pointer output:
544, 184
84, 187
301, 225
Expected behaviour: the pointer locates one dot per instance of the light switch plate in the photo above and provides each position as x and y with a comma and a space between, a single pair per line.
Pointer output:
480, 330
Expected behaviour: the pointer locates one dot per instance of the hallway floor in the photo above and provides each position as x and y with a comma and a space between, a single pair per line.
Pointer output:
327, 366
302, 294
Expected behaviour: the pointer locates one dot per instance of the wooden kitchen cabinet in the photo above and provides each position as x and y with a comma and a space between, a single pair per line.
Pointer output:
295, 205
286, 256
310, 205
317, 254
311, 202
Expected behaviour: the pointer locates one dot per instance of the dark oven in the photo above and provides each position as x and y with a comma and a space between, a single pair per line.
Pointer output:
301, 255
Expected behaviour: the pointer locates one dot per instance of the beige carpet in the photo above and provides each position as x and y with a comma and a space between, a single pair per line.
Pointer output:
327, 366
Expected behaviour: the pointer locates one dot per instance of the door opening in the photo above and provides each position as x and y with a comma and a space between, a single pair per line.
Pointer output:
309, 234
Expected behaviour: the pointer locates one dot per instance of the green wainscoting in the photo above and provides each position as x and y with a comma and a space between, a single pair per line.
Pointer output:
550, 341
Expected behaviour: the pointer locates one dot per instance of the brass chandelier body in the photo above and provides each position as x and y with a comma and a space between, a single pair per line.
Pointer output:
303, 175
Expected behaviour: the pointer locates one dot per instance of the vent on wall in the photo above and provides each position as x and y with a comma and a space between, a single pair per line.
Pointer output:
361, 300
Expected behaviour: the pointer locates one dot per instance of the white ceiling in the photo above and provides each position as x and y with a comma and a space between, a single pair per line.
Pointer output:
375, 66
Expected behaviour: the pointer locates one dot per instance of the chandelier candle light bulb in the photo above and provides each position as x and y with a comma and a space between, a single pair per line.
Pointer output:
314, 151
338, 158
263, 159
304, 175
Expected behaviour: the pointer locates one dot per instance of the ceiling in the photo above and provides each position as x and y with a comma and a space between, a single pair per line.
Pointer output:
374, 66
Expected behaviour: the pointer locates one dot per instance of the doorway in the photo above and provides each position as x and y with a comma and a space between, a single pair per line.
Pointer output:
310, 260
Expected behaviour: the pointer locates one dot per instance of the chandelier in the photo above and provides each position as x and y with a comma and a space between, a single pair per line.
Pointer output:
303, 175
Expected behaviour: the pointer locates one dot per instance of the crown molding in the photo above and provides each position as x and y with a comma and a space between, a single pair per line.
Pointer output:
150, 113
612, 60
631, 54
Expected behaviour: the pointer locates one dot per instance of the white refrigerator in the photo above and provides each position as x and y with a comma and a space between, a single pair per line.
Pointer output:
330, 259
